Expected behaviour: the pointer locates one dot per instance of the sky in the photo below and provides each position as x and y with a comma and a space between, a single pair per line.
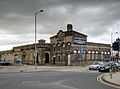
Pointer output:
98, 19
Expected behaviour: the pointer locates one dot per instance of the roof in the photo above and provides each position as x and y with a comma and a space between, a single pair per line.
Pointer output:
74, 33
100, 44
70, 33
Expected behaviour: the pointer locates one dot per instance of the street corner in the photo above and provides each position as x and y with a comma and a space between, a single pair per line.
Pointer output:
106, 79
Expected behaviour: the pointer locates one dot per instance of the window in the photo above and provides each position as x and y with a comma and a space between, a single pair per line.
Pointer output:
75, 51
68, 45
78, 51
84, 51
105, 52
93, 52
58, 47
102, 52
96, 52
64, 46
89, 51
108, 53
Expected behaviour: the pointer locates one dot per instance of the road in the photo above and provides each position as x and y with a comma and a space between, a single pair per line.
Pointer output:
51, 80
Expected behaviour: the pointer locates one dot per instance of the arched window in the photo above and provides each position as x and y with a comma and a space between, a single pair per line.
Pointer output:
96, 52
75, 51
108, 53
84, 51
68, 45
58, 47
78, 51
105, 52
102, 52
93, 52
89, 51
63, 46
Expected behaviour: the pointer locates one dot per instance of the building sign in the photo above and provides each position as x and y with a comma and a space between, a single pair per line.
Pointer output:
80, 41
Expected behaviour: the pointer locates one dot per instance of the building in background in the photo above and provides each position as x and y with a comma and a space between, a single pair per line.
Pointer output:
65, 48
25, 54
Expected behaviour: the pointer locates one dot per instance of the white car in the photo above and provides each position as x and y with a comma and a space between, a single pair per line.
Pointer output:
95, 65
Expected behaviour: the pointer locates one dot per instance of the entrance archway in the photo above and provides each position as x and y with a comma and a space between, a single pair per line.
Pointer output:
54, 60
46, 57
37, 59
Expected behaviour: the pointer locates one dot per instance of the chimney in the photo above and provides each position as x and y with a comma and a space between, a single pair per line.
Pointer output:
41, 41
69, 27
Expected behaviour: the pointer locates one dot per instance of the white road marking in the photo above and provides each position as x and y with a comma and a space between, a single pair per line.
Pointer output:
101, 81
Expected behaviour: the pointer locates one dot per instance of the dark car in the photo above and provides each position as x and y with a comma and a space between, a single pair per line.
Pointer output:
107, 66
4, 63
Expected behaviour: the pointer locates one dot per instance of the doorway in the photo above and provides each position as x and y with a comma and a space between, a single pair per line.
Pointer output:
54, 60
37, 59
46, 57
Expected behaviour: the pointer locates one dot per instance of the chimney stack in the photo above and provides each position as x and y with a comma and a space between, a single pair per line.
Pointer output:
69, 27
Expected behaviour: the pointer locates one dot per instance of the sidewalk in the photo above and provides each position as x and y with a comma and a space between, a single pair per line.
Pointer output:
27, 68
115, 80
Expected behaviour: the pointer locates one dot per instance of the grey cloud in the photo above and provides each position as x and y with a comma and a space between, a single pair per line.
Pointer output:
13, 42
89, 16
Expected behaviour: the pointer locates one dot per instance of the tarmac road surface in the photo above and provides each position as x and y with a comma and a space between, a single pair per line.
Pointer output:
51, 80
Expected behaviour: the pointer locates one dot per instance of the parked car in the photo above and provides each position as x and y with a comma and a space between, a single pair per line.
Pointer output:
4, 63
118, 65
95, 65
107, 66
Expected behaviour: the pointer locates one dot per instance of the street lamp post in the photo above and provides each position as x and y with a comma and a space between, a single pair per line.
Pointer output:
35, 54
111, 43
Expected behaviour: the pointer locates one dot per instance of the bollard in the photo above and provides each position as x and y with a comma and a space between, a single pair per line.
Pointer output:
110, 73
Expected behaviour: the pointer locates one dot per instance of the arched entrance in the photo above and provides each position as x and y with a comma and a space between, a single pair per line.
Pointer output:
54, 60
46, 57
37, 59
